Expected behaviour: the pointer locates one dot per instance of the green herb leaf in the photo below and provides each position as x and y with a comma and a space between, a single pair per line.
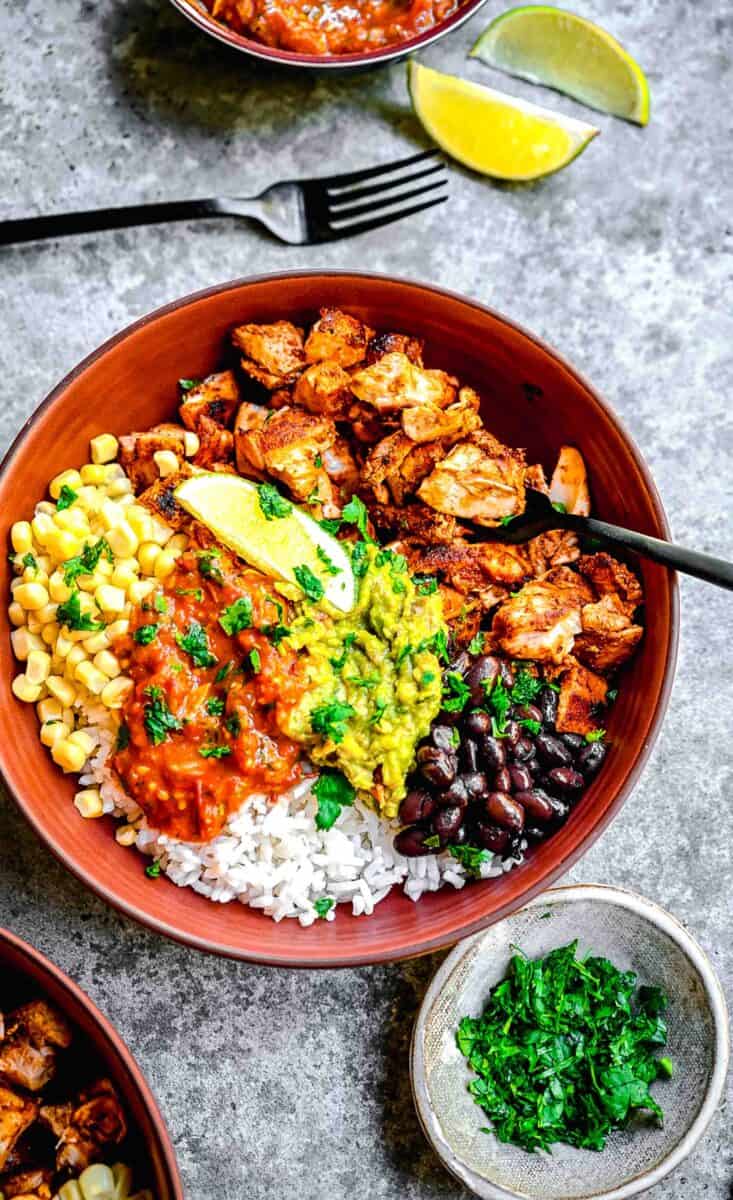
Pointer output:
222, 673
29, 562
470, 858
160, 604
425, 585
338, 663
209, 567
380, 708
153, 871
275, 633
255, 661
69, 613
530, 725
323, 905
328, 563
67, 496
123, 736
86, 562
356, 514
237, 616
330, 719
195, 643
359, 559
595, 735
332, 791
272, 504
197, 593
215, 751
476, 644
145, 634
330, 524
310, 583
215, 706
187, 385
526, 687
498, 702
158, 719
233, 724
559, 506
432, 842
455, 693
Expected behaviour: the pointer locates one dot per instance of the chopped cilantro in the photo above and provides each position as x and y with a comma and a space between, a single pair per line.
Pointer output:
356, 514
153, 871
29, 562
318, 461
275, 633
323, 905
404, 653
332, 790
596, 735
359, 560
455, 693
158, 719
272, 504
328, 563
365, 681
380, 708
69, 613
67, 496
427, 677
215, 706
233, 724
160, 604
471, 858
506, 520
330, 719
309, 582
209, 568
437, 644
330, 524
197, 593
530, 725
187, 385
432, 842
425, 585
145, 634
123, 736
86, 562
255, 661
498, 702
215, 751
455, 738
525, 688
476, 644
611, 695
399, 587
338, 663
559, 506
237, 616
195, 643
222, 673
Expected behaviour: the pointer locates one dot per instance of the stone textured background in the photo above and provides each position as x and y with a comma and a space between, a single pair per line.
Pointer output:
295, 1085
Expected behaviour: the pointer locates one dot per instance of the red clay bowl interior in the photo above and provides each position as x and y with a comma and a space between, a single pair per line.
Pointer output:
531, 398
28, 972
197, 13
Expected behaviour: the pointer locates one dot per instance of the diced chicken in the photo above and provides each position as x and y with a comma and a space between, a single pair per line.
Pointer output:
324, 388
611, 577
159, 498
555, 548
34, 1184
338, 337
272, 354
137, 450
97, 1123
217, 444
341, 468
386, 343
415, 521
569, 483
250, 416
290, 447
479, 479
608, 637
472, 567
382, 470
366, 425
33, 1035
17, 1113
543, 619
582, 693
535, 478
215, 397
393, 383
428, 422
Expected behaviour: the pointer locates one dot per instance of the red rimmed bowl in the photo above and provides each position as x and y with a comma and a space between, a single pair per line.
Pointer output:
197, 12
531, 397
27, 974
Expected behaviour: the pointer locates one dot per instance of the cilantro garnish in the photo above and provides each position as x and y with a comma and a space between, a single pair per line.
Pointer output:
275, 633
437, 644
330, 719
215, 751
233, 724
328, 563
255, 661
145, 634
153, 871
525, 688
160, 604
222, 673
498, 702
195, 643
237, 616
330, 524
432, 842
332, 790
404, 653
425, 585
611, 695
380, 708
69, 613
123, 736
356, 514
29, 561
209, 568
187, 385
86, 562
158, 719
309, 582
272, 504
67, 496
476, 644
215, 706
399, 587
338, 663
559, 506
595, 735
318, 460
530, 725
455, 693
197, 593
359, 560
471, 858
427, 677
564, 1051
323, 905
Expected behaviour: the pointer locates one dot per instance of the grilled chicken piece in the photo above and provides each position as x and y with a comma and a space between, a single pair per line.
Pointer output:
470, 567
479, 479
324, 388
555, 548
17, 1113
543, 619
383, 467
160, 500
34, 1032
273, 354
608, 637
393, 383
84, 1130
250, 416
366, 425
137, 450
217, 444
415, 521
569, 483
427, 422
611, 577
338, 337
341, 468
582, 693
535, 478
215, 397
290, 447
386, 343
34, 1184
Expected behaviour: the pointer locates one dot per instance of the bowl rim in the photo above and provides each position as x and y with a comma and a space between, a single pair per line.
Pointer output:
427, 944
661, 920
121, 1052
320, 62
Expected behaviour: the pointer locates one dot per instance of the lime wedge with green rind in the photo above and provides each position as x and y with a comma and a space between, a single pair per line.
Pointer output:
561, 50
230, 507
491, 132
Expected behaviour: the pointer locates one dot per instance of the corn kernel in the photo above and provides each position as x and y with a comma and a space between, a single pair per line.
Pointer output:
178, 543
21, 537
42, 525
46, 507
166, 462
119, 487
83, 739
92, 678
49, 709
62, 544
103, 448
92, 473
138, 590
68, 756
88, 499
63, 645
31, 595
70, 479
50, 633
141, 521
77, 654
97, 641
34, 625
191, 443
16, 612
146, 556
108, 663
47, 613
165, 565
24, 642
105, 568
126, 835
113, 470
38, 666
52, 731
110, 599
58, 590
117, 629
24, 690
160, 532
74, 520
44, 563
90, 583
89, 803
116, 691
122, 540
61, 689
67, 716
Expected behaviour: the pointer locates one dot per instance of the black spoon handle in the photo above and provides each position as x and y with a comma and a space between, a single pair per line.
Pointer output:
690, 562
28, 229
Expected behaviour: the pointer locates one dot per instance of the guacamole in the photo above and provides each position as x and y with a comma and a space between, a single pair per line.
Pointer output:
371, 677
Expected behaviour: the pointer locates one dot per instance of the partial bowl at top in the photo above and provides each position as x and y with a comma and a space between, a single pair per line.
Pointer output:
531, 397
197, 12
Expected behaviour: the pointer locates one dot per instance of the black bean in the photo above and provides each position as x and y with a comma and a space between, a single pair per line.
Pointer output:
459, 837
491, 837
411, 842
512, 733
573, 741
504, 811
442, 736
565, 779
418, 805
477, 724
548, 705
528, 712
552, 751
519, 778
493, 752
533, 833
460, 662
536, 804
590, 758
524, 750
507, 674
446, 821
534, 766
483, 672
560, 808
456, 795
437, 766
476, 784
503, 780
468, 755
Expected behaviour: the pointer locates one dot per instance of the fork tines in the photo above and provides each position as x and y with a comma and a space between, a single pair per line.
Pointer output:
343, 201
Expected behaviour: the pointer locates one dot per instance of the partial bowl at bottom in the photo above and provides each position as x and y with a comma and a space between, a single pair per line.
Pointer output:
634, 934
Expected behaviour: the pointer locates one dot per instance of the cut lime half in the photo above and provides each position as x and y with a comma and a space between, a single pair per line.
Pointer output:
491, 132
563, 51
230, 507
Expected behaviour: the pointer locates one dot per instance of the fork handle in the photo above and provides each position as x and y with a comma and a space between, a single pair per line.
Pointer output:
690, 562
28, 229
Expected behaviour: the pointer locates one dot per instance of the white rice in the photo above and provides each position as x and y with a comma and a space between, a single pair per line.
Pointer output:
271, 856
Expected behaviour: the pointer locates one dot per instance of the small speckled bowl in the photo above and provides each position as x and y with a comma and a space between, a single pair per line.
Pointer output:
634, 934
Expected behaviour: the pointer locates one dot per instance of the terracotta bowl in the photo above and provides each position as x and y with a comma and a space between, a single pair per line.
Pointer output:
197, 12
26, 974
531, 398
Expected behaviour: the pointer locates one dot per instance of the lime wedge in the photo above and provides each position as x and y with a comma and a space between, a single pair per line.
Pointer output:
230, 507
563, 51
491, 132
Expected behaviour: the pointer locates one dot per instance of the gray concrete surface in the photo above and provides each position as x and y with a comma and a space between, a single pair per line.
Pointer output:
295, 1085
